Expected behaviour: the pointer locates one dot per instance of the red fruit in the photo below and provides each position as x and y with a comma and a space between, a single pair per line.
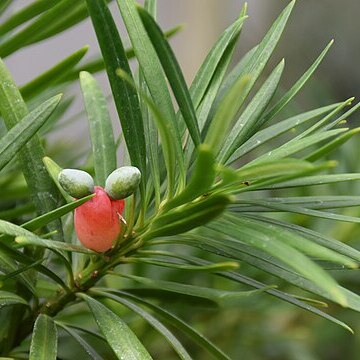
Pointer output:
97, 222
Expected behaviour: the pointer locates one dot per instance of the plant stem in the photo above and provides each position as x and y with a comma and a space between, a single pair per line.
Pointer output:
52, 306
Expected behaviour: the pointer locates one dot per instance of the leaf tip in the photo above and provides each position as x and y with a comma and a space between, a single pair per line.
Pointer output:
20, 239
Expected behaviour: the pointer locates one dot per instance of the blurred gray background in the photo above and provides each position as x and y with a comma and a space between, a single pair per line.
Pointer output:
312, 25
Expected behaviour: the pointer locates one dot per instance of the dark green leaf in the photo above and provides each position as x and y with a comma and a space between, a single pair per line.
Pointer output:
97, 64
173, 73
156, 82
20, 270
212, 267
125, 96
310, 202
8, 255
295, 146
167, 139
184, 219
234, 276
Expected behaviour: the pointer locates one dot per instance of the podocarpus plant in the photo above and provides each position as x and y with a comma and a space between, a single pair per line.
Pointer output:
209, 171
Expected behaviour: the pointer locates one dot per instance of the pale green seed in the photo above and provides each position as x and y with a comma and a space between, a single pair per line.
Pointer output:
76, 183
123, 182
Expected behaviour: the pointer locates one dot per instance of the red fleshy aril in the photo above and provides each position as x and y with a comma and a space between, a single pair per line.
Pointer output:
97, 221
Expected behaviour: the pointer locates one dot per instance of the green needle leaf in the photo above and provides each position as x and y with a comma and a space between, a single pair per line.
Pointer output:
317, 180
91, 352
184, 219
102, 137
25, 14
51, 76
9, 298
220, 297
13, 109
263, 52
173, 73
224, 46
201, 180
166, 136
286, 98
259, 238
155, 323
125, 97
9, 266
271, 132
43, 220
156, 81
17, 137
324, 150
44, 339
119, 336
8, 255
50, 244
225, 114
4, 5
250, 121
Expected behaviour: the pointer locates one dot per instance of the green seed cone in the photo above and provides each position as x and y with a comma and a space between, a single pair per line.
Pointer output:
76, 183
123, 182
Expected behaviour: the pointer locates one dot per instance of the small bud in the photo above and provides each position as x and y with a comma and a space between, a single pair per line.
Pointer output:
123, 182
76, 183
